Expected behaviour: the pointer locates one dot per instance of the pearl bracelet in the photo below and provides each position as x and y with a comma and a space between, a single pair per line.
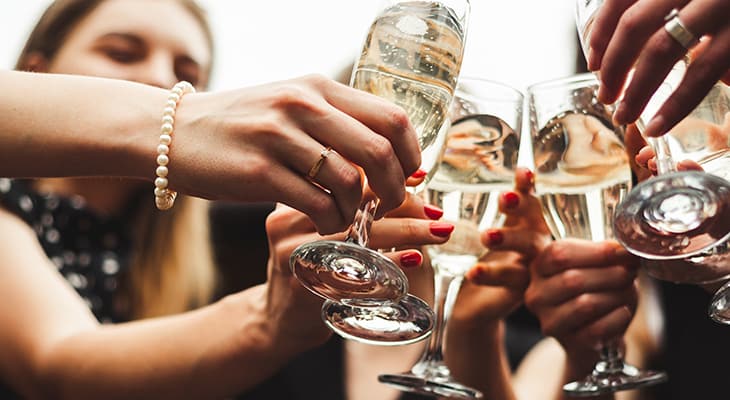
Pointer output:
164, 197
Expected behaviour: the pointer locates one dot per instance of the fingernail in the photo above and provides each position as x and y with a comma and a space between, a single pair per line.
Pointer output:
494, 237
433, 212
602, 94
419, 174
592, 60
441, 229
655, 127
511, 200
411, 259
476, 275
530, 177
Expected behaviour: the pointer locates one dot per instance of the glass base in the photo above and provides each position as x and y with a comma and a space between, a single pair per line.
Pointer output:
599, 383
675, 215
719, 309
391, 324
348, 273
430, 385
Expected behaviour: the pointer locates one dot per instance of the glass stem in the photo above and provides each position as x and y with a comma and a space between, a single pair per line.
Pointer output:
446, 288
664, 162
612, 361
360, 229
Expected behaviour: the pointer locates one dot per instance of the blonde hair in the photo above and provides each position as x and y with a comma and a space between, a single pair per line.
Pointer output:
172, 265
172, 268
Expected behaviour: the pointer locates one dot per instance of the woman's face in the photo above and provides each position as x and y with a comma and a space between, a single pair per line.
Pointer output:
157, 42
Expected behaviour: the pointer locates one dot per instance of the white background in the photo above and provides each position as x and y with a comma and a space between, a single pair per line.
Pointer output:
517, 42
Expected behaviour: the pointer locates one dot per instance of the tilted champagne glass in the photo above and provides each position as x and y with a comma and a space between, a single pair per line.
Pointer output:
582, 174
679, 220
477, 164
412, 56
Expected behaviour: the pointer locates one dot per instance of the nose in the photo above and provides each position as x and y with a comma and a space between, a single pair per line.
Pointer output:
158, 70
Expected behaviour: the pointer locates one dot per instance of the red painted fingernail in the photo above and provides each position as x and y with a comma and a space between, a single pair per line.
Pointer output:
433, 212
495, 237
441, 229
511, 200
411, 259
530, 176
419, 174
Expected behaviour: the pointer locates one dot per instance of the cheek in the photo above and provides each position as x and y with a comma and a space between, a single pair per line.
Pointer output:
88, 65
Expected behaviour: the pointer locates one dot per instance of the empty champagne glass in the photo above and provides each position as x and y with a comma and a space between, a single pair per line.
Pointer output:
477, 164
412, 56
582, 174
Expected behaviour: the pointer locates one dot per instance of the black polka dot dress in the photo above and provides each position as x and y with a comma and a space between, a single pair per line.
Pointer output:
89, 251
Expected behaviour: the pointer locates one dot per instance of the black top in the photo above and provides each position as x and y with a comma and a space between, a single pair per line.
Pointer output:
91, 252
695, 348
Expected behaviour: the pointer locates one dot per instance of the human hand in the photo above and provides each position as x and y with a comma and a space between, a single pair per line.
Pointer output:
495, 286
630, 33
259, 143
293, 310
583, 293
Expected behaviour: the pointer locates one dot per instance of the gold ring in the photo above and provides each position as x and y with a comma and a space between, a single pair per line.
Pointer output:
676, 29
317, 165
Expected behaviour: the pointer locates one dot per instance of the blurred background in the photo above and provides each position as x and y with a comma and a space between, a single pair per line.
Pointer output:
517, 42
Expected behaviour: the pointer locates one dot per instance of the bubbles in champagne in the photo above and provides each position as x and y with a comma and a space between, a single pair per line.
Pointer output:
412, 56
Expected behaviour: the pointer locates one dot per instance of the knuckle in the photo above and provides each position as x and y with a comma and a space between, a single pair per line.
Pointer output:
256, 166
398, 120
631, 23
349, 178
585, 305
316, 80
380, 151
558, 253
573, 281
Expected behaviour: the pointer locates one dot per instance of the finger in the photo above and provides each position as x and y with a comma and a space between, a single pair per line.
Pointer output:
512, 275
383, 117
583, 311
634, 28
689, 165
414, 207
566, 254
708, 68
524, 180
406, 259
408, 232
328, 170
644, 155
295, 191
658, 58
360, 145
528, 242
603, 28
561, 287
608, 327
416, 178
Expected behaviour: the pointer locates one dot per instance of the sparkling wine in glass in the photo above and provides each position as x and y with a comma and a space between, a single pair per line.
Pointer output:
582, 175
412, 56
476, 165
679, 220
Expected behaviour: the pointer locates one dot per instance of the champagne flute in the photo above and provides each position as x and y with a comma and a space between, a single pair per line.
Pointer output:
678, 221
674, 215
477, 164
582, 174
412, 55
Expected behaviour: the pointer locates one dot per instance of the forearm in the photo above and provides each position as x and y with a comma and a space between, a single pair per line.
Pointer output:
476, 356
63, 125
214, 352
